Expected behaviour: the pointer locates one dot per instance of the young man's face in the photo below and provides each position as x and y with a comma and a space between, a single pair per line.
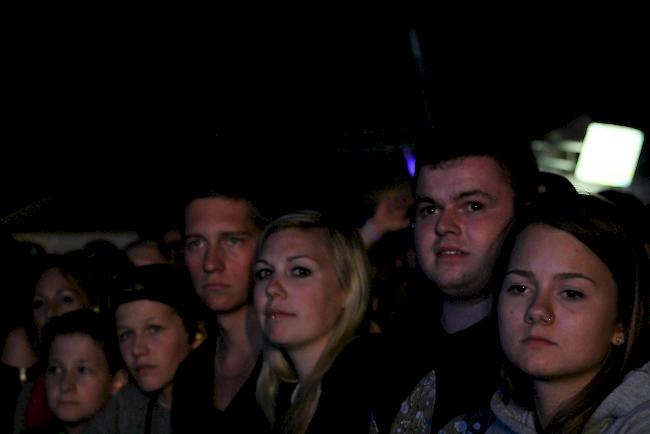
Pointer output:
219, 249
464, 209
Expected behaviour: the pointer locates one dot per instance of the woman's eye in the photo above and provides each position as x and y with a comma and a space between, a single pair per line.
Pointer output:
262, 273
68, 299
123, 336
300, 272
516, 289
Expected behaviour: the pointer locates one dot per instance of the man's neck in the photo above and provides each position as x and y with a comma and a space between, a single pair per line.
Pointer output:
239, 332
238, 347
458, 314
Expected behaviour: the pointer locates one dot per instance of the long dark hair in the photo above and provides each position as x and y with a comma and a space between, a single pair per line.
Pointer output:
600, 226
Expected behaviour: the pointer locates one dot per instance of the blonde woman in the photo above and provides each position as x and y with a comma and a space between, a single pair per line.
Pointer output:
311, 295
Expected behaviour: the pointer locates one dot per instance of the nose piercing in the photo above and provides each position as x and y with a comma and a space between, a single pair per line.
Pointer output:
546, 319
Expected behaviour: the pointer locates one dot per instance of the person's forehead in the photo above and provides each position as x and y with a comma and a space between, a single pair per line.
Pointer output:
470, 163
53, 282
468, 172
139, 310
218, 209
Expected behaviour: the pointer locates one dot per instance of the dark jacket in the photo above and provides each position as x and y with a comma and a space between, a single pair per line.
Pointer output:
348, 391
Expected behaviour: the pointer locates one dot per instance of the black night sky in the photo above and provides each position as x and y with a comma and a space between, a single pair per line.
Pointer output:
109, 122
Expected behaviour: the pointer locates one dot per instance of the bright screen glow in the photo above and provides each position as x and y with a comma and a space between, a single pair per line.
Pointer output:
609, 155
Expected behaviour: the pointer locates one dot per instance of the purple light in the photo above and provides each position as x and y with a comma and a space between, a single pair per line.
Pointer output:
410, 159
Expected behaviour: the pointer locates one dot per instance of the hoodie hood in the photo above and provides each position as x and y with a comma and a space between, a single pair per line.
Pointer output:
626, 408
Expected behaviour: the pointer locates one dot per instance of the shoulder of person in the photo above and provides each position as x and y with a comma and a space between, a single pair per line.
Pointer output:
17, 350
124, 409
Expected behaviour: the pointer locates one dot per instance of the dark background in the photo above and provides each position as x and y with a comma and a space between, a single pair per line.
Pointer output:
110, 122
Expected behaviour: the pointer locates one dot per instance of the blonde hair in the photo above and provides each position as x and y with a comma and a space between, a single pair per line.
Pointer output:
349, 256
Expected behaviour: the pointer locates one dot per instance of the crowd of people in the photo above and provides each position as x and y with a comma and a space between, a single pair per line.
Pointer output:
485, 297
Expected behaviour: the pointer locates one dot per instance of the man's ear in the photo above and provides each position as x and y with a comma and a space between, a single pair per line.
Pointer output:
119, 380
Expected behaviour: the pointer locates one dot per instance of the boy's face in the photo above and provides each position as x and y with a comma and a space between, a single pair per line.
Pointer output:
153, 342
78, 381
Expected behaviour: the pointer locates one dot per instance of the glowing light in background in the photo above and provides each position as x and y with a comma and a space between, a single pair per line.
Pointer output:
609, 155
410, 159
